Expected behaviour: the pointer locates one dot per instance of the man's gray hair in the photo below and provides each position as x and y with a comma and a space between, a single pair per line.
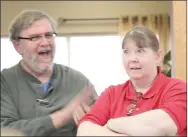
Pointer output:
25, 19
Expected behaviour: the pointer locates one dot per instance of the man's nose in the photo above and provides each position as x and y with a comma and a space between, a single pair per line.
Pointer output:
44, 40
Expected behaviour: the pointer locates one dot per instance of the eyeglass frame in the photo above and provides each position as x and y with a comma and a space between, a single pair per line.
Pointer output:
32, 39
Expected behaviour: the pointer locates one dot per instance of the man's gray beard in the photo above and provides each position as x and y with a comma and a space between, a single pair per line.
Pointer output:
37, 67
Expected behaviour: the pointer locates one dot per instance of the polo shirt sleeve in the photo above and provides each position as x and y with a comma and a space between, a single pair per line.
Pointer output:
100, 111
174, 103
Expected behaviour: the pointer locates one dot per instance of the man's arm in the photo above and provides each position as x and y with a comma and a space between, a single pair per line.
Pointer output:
80, 112
87, 128
85, 105
39, 125
76, 109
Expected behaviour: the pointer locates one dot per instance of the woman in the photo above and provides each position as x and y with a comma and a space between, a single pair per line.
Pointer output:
148, 104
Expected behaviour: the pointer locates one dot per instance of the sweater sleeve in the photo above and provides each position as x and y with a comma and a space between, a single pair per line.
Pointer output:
10, 117
87, 84
100, 112
94, 94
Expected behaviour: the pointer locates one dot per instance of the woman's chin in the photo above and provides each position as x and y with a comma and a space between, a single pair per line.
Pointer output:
136, 77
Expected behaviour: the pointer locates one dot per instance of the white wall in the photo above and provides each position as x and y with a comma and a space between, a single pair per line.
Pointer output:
82, 9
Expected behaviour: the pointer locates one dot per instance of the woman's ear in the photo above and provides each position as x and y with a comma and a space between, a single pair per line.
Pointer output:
159, 56
16, 44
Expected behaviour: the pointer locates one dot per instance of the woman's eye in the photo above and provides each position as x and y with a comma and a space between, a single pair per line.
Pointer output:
125, 51
141, 50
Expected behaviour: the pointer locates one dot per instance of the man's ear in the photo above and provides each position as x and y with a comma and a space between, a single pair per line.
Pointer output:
16, 44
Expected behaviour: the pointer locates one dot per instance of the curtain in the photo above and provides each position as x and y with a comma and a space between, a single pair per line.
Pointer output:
158, 23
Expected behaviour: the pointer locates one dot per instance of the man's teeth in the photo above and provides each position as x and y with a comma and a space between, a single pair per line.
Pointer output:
44, 52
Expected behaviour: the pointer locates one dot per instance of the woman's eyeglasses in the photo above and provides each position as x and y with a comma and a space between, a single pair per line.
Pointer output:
133, 104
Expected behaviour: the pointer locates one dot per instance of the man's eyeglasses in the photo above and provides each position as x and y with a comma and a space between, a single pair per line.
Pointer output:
133, 104
48, 36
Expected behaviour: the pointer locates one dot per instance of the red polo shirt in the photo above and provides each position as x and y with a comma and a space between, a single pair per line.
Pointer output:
166, 93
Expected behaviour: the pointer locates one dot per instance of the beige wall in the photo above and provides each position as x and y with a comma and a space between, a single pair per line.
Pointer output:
83, 9
179, 38
106, 9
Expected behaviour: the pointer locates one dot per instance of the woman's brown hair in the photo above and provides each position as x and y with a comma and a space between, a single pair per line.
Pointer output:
143, 37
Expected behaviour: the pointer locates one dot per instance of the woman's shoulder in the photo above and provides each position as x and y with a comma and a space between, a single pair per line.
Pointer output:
177, 83
174, 82
117, 89
175, 86
170, 82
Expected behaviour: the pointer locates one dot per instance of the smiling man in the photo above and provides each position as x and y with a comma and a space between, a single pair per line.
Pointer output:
39, 97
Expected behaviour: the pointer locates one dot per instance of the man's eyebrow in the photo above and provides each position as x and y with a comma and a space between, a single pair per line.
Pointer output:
39, 34
33, 35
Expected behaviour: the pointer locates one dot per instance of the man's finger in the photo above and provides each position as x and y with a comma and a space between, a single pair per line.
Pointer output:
86, 107
75, 118
78, 113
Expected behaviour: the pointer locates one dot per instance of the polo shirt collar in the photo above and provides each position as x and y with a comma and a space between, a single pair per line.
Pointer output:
160, 78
